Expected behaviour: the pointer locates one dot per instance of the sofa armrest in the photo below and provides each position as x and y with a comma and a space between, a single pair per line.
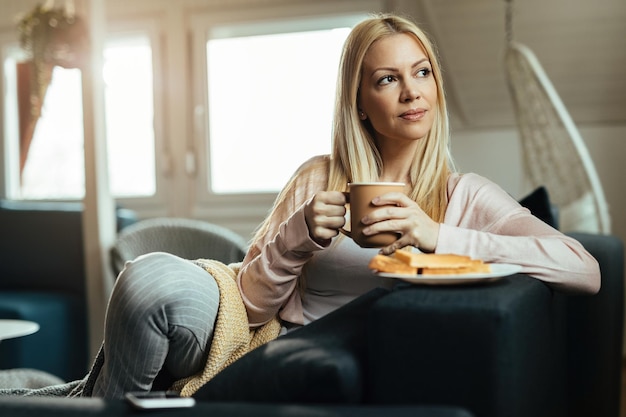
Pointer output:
495, 350
595, 334
318, 363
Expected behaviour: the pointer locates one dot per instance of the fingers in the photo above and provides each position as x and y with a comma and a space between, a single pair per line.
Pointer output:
388, 215
330, 204
415, 227
398, 244
321, 233
325, 215
397, 199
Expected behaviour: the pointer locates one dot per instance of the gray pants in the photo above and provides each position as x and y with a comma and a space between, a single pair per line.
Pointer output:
159, 325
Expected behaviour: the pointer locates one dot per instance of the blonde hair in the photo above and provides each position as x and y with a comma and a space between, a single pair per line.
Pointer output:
355, 156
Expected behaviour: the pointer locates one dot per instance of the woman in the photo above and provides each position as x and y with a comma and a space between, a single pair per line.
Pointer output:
391, 124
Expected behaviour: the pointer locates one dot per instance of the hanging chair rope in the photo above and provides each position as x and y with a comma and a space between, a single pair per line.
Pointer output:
554, 153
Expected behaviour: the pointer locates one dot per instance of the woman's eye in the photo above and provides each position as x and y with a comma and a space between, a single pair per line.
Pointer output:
424, 72
386, 80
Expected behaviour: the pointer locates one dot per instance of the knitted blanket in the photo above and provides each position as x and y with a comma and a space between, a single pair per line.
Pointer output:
232, 338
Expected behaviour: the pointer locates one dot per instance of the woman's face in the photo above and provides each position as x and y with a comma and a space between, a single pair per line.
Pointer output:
398, 93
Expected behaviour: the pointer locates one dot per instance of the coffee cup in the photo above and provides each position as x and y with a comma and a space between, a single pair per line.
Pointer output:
360, 196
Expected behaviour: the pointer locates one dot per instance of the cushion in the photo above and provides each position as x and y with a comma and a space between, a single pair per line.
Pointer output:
538, 202
318, 363
485, 348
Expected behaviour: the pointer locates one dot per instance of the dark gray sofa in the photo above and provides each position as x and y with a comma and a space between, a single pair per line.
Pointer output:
63, 407
42, 279
515, 348
510, 348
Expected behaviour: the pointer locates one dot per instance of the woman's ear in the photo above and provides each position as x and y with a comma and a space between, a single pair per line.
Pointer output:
362, 115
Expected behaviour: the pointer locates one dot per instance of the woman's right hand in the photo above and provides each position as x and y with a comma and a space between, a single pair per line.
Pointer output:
324, 215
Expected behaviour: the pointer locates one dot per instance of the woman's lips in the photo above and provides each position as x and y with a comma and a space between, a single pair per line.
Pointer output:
413, 114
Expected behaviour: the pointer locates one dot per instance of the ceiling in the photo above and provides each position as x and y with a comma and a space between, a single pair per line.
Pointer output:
579, 43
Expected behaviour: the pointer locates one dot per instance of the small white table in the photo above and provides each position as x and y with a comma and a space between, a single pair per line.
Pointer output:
16, 328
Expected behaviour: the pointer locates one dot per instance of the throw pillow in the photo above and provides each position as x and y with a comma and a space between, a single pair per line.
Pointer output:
538, 202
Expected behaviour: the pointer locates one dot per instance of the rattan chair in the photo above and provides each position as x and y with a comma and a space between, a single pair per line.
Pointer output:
187, 238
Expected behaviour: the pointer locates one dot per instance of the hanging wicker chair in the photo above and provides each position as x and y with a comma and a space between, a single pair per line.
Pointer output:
554, 153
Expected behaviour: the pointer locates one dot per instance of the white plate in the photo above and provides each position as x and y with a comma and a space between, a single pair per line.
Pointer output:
497, 271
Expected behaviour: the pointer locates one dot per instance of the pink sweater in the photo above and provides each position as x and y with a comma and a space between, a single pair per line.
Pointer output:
481, 221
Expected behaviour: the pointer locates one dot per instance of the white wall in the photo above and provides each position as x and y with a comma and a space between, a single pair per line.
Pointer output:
496, 155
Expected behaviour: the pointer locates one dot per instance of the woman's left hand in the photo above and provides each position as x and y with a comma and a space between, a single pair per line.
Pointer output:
402, 215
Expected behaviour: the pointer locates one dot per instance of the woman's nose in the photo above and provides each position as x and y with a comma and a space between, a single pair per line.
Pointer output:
410, 91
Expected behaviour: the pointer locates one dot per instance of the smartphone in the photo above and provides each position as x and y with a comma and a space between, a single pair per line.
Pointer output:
158, 399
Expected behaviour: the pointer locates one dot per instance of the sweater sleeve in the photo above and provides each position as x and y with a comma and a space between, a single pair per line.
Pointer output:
268, 279
484, 222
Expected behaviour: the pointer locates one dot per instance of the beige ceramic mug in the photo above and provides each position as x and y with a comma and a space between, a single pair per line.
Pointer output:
360, 196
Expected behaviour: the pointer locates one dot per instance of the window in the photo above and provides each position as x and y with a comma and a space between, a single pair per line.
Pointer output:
270, 97
209, 125
129, 109
54, 165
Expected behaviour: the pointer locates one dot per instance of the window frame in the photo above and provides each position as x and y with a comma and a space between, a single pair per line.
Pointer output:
245, 207
178, 38
9, 152
149, 27
152, 28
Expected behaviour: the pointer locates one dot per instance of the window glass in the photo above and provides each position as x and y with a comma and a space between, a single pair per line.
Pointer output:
271, 100
54, 167
129, 109
55, 164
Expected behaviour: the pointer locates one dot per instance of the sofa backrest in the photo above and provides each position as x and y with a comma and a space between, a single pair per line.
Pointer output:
41, 245
595, 333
